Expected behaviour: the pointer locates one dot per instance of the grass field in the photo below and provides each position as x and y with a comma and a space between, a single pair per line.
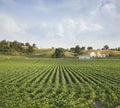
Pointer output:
59, 83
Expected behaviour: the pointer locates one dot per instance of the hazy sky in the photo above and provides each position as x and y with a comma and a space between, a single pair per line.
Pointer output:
61, 23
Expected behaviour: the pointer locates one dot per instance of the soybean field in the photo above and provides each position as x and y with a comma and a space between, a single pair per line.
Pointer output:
59, 83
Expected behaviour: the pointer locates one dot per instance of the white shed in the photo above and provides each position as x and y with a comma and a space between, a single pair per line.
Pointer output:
99, 55
92, 55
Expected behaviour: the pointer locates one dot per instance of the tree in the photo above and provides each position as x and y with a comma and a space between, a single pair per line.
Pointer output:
4, 47
83, 48
29, 50
59, 52
72, 49
34, 45
77, 49
27, 44
118, 48
89, 48
106, 47
52, 48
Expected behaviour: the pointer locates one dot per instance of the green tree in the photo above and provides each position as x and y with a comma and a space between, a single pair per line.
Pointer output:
72, 49
34, 45
83, 48
77, 49
118, 48
89, 48
27, 44
4, 46
29, 50
59, 52
106, 47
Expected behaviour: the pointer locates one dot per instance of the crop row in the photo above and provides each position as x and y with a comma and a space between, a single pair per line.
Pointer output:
55, 84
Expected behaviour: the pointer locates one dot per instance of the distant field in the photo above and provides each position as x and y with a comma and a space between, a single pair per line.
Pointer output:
59, 83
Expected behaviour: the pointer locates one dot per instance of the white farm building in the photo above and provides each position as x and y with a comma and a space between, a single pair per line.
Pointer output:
93, 55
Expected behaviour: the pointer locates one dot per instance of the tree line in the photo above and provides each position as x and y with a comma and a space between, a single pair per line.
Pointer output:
19, 48
16, 48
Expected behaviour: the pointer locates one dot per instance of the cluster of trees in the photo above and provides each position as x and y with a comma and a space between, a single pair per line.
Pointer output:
15, 47
118, 49
106, 47
77, 49
115, 49
59, 52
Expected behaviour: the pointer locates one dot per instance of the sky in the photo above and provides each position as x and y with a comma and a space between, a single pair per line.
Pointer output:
61, 23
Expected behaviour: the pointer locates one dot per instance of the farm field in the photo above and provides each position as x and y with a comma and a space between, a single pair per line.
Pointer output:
59, 83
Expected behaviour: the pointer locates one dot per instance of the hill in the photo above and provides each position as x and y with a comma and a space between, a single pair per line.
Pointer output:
68, 54
49, 51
